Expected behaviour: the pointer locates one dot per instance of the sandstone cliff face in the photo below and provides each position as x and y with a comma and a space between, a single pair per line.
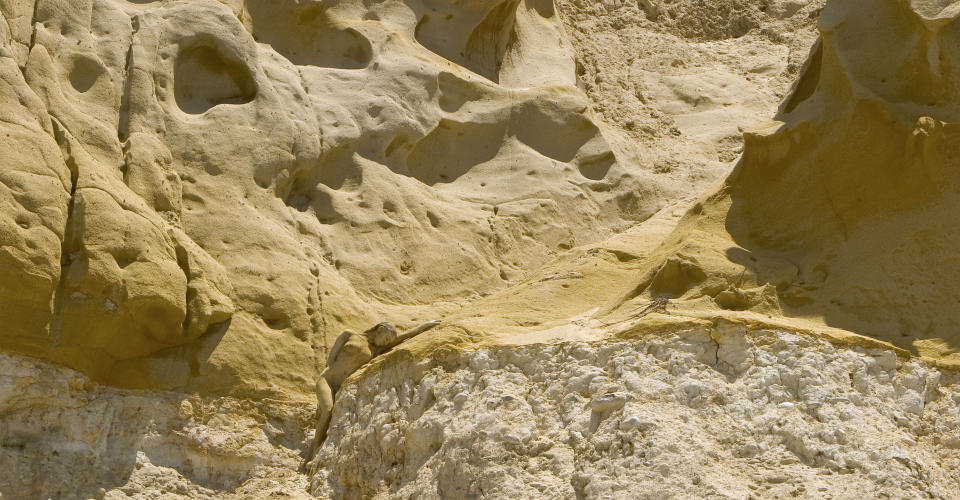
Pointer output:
871, 132
833, 224
192, 185
197, 196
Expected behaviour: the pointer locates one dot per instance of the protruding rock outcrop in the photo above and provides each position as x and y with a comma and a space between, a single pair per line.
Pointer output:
789, 314
840, 211
695, 411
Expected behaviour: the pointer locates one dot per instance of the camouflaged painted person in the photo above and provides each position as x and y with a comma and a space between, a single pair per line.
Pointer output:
347, 355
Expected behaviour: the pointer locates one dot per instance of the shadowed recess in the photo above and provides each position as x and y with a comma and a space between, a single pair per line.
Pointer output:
306, 35
204, 78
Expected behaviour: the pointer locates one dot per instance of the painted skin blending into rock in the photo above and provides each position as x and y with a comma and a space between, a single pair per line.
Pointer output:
347, 355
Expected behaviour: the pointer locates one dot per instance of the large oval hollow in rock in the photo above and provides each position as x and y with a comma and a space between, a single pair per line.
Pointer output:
204, 78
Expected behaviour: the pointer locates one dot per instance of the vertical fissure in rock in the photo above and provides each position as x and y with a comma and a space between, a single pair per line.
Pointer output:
67, 245
123, 125
183, 260
33, 25
318, 323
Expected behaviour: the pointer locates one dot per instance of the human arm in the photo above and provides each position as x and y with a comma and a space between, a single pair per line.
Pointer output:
413, 332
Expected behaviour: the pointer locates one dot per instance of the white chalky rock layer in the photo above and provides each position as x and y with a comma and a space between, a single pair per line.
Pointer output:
65, 437
708, 412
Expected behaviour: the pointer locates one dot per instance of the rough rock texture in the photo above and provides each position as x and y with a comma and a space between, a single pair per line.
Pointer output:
838, 212
686, 77
64, 436
218, 180
197, 196
699, 410
833, 226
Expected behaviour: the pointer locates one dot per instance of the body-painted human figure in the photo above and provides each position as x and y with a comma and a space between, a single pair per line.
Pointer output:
348, 354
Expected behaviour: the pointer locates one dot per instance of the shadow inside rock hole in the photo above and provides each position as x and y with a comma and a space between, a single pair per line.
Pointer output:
306, 34
550, 126
478, 35
452, 149
204, 78
85, 72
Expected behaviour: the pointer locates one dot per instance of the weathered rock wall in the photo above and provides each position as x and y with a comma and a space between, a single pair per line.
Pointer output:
834, 225
196, 196
700, 409
64, 436
220, 183
838, 212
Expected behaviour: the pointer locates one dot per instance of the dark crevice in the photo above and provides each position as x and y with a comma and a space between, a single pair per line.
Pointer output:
808, 81
33, 33
183, 260
490, 40
68, 244
123, 126
318, 324
497, 243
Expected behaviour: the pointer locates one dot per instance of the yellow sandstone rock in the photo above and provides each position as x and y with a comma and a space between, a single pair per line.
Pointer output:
223, 187
198, 196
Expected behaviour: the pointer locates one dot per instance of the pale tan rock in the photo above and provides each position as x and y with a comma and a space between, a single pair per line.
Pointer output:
35, 187
830, 228
839, 205
123, 292
196, 196
64, 436
270, 173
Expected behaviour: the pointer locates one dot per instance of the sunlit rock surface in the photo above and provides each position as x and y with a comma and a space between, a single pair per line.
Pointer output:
646, 286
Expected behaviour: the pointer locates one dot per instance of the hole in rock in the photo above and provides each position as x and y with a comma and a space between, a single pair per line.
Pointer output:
558, 134
475, 39
276, 323
307, 36
442, 157
84, 73
204, 78
125, 258
596, 167
434, 220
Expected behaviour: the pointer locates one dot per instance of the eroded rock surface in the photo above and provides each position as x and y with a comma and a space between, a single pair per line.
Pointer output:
216, 180
197, 196
65, 436
832, 226
700, 410
838, 212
